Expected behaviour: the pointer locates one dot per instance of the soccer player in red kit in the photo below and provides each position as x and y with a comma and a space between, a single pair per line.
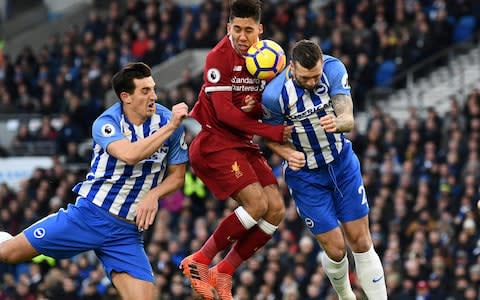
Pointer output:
229, 163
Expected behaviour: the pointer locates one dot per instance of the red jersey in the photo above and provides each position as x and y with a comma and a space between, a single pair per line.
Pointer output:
226, 84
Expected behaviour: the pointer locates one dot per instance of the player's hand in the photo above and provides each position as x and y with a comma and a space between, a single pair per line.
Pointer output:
296, 160
328, 123
179, 112
146, 211
249, 102
287, 132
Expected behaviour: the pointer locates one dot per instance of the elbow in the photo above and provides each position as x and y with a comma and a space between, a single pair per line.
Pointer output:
130, 159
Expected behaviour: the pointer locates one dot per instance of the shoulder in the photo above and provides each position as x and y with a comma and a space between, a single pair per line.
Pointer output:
222, 49
274, 87
332, 65
113, 113
163, 112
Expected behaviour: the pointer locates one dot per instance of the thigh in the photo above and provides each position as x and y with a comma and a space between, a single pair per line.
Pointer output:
314, 202
65, 233
131, 288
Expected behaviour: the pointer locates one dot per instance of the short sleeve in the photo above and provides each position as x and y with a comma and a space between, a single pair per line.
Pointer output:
217, 72
106, 130
178, 153
272, 110
338, 77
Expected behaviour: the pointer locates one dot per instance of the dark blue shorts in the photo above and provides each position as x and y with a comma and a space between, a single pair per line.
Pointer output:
329, 194
86, 226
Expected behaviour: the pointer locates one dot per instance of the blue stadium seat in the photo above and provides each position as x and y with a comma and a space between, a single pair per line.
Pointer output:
464, 29
384, 73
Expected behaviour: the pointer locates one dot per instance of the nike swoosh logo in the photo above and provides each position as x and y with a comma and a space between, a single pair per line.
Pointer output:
339, 277
375, 280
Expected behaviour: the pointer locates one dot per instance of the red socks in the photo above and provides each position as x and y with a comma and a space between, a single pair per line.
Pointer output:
243, 250
227, 232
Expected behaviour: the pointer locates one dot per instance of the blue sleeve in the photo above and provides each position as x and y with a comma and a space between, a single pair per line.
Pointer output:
178, 153
272, 111
106, 130
337, 77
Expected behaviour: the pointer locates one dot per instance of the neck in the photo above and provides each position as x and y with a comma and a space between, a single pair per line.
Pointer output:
133, 117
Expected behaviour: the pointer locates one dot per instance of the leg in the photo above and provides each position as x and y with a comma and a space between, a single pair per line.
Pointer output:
220, 276
131, 288
16, 250
335, 262
368, 265
315, 204
231, 229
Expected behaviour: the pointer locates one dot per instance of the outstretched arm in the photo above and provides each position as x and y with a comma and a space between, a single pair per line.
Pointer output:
230, 115
343, 120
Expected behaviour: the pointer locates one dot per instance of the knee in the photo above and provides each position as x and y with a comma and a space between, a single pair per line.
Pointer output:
6, 255
335, 252
361, 243
276, 211
258, 208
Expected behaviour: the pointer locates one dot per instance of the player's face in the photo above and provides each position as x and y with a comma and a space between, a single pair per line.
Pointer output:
307, 78
244, 33
141, 104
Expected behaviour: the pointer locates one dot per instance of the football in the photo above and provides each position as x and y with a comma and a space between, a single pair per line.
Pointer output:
265, 59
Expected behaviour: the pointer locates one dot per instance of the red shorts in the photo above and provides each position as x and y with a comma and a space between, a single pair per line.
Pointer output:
226, 171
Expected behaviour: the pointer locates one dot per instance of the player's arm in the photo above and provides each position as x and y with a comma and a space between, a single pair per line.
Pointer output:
343, 120
296, 159
230, 115
133, 152
148, 206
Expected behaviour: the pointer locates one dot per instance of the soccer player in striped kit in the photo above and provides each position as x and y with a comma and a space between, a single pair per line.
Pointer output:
139, 156
313, 95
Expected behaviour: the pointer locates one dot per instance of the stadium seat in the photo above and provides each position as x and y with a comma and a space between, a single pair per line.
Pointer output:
384, 73
464, 29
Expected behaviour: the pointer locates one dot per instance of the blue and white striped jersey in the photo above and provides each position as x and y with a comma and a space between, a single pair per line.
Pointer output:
285, 102
116, 186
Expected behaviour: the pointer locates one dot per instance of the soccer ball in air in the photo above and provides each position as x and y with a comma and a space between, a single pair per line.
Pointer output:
265, 59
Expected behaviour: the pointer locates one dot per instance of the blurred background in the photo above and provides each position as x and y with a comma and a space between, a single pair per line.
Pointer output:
414, 68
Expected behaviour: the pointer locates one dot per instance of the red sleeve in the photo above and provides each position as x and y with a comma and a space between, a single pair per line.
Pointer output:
228, 114
218, 85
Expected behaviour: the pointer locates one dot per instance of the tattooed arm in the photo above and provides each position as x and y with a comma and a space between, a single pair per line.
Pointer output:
343, 121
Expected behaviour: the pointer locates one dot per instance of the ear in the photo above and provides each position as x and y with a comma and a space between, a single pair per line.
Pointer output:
125, 97
229, 26
260, 29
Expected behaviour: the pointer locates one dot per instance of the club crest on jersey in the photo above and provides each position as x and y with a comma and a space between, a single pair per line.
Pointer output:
39, 233
236, 170
309, 222
108, 130
213, 75
321, 89
345, 84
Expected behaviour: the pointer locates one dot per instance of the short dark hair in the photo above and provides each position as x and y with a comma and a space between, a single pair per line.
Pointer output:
122, 81
307, 53
246, 9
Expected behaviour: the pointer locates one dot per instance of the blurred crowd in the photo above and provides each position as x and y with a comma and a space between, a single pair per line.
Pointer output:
421, 177
421, 180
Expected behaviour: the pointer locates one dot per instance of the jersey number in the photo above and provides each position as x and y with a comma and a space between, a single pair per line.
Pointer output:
361, 191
